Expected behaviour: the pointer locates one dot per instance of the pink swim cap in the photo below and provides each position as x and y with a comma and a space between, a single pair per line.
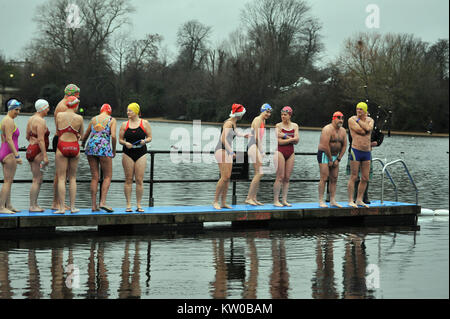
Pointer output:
287, 109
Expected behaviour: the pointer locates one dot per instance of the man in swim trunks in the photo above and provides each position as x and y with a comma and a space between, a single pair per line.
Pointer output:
360, 126
332, 145
70, 90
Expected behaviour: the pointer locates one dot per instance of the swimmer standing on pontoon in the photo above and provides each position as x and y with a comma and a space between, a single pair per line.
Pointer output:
360, 126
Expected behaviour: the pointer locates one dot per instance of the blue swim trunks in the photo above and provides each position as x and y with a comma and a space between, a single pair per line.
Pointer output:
359, 156
322, 158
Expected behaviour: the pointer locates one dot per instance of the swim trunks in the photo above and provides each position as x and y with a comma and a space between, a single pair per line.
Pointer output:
322, 157
359, 156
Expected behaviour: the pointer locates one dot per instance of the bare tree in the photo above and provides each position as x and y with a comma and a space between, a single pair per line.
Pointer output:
192, 38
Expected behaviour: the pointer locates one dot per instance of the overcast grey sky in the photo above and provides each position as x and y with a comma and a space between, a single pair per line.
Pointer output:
428, 20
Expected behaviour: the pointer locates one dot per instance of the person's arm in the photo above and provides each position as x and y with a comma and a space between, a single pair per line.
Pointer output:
81, 127
366, 125
86, 134
8, 128
113, 136
148, 131
296, 138
227, 127
355, 126
41, 129
122, 137
344, 145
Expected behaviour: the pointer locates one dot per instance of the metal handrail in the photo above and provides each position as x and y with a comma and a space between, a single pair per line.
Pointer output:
407, 172
388, 175
152, 181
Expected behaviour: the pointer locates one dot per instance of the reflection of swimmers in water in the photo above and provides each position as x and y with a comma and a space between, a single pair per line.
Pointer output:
130, 289
252, 283
60, 289
219, 285
34, 280
355, 263
5, 284
279, 279
323, 285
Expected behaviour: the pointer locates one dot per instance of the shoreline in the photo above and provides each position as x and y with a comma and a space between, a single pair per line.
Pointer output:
302, 128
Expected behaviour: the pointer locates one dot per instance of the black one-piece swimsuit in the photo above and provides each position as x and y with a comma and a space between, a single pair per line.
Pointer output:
133, 135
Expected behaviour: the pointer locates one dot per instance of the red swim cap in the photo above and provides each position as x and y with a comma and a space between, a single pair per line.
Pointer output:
106, 108
336, 114
72, 102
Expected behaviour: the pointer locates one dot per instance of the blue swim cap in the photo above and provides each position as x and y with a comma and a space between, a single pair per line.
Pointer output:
266, 107
13, 104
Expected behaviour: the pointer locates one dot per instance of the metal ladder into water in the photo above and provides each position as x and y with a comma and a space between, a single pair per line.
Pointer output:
385, 170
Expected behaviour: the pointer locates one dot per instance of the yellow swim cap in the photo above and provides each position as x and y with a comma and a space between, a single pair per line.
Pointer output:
135, 108
362, 105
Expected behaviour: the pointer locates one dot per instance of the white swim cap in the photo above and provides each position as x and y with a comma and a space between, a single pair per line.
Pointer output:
41, 105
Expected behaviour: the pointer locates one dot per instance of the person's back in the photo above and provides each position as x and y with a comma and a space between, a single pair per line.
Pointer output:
68, 125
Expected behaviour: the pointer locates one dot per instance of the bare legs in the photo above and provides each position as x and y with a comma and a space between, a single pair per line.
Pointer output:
256, 157
354, 169
106, 167
225, 163
136, 170
69, 165
330, 174
284, 171
36, 184
9, 170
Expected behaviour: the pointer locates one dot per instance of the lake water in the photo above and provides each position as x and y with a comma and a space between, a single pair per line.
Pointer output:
219, 262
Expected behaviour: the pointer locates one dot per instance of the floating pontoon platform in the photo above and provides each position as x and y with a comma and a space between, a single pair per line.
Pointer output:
163, 217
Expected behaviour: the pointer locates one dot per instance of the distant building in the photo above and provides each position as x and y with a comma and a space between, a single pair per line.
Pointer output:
6, 93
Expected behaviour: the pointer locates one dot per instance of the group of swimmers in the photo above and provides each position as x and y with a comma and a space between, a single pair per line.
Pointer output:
99, 141
331, 149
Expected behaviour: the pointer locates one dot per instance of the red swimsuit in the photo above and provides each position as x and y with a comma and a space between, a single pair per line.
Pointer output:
288, 149
68, 149
33, 149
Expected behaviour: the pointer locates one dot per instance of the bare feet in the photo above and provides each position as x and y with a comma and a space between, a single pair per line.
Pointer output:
251, 202
323, 205
361, 203
95, 209
74, 210
59, 212
352, 204
216, 205
258, 203
56, 207
36, 209
15, 210
278, 204
6, 211
226, 206
333, 203
286, 204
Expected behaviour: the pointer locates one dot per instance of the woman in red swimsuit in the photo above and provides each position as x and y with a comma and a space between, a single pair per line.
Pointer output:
287, 133
37, 135
69, 126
